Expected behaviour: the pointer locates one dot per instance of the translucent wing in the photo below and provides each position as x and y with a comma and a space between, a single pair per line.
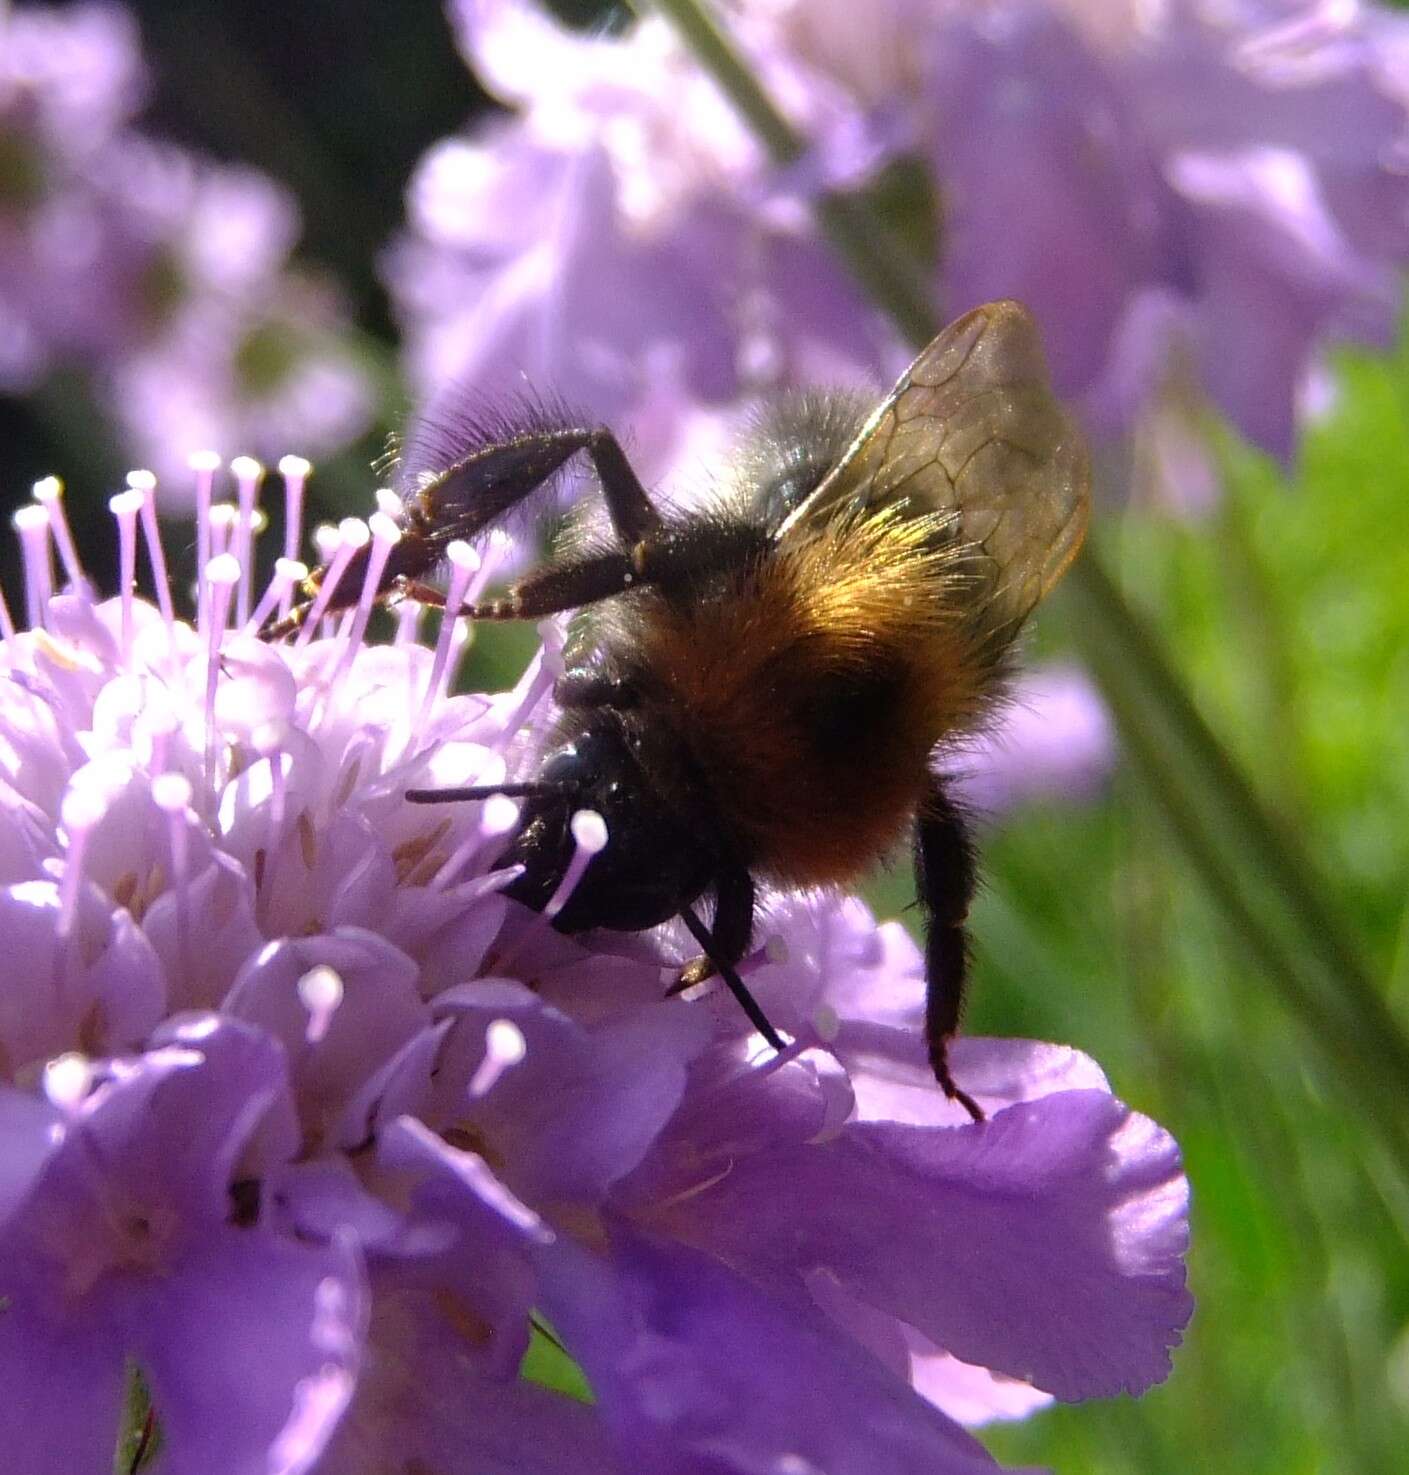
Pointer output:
973, 430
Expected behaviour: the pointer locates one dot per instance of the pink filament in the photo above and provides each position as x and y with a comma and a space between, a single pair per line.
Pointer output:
352, 535
247, 473
124, 507
295, 471
49, 492
288, 572
385, 536
146, 483
464, 564
32, 524
205, 464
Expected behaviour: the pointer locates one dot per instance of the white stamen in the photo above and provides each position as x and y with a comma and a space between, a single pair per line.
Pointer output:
67, 1081
775, 950
320, 991
205, 464
222, 573
80, 811
325, 540
49, 493
589, 829
499, 815
553, 638
464, 564
408, 622
589, 834
223, 517
247, 473
159, 722
535, 684
145, 481
385, 536
390, 503
295, 471
125, 507
32, 524
504, 1046
352, 535
288, 573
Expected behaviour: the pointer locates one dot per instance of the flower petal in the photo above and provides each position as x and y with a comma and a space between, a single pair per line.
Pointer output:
220, 1408
1044, 1244
696, 1370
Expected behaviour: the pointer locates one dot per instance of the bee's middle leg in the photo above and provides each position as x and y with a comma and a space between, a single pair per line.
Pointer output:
725, 944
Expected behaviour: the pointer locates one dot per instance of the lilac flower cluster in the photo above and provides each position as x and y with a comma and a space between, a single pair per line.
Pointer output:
308, 1124
1195, 199
163, 276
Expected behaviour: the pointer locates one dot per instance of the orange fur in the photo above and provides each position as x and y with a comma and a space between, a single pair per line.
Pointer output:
864, 594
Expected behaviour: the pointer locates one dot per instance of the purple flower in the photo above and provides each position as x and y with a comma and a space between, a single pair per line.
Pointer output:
622, 240
162, 276
1054, 740
1193, 201
305, 1121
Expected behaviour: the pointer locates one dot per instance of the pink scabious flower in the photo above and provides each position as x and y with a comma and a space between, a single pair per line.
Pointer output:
306, 1122
163, 277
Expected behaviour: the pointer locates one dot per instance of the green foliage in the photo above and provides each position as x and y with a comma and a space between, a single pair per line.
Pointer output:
548, 1364
1288, 616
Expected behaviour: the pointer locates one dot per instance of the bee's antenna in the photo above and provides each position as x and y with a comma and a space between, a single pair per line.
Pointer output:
488, 791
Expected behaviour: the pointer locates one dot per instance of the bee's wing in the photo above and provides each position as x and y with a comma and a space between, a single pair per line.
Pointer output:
973, 430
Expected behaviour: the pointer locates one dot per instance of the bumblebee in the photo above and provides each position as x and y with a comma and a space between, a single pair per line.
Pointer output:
757, 687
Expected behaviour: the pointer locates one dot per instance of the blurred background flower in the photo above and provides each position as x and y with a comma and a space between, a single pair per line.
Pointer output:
304, 223
160, 279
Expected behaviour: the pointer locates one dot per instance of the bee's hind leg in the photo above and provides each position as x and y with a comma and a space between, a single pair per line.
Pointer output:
945, 880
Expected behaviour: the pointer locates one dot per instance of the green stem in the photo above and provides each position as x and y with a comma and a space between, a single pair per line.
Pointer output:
1223, 826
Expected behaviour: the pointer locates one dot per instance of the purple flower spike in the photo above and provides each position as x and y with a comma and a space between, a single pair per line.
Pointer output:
306, 1122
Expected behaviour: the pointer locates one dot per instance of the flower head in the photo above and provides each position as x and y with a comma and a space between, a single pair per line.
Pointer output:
307, 1121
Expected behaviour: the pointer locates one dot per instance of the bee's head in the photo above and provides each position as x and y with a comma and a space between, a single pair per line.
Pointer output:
657, 858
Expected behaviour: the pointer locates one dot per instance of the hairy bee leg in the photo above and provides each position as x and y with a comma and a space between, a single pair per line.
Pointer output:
483, 488
945, 880
546, 591
633, 514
